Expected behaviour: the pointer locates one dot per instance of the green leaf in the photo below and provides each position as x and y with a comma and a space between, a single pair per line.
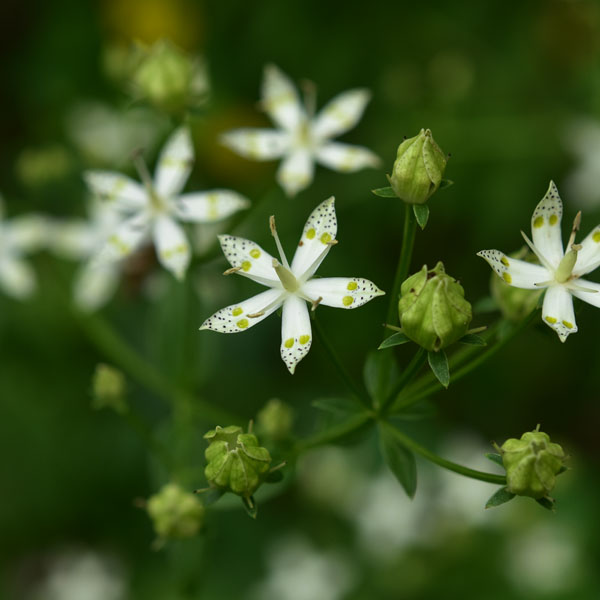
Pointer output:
380, 375
399, 459
548, 503
425, 409
472, 340
500, 497
497, 458
445, 183
394, 340
338, 406
250, 506
421, 214
438, 361
210, 496
385, 192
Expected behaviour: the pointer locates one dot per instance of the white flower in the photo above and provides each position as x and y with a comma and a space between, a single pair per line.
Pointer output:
291, 286
303, 138
19, 236
559, 272
154, 208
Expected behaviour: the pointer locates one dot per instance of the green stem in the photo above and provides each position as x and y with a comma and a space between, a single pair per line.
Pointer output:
408, 240
145, 433
418, 360
352, 386
442, 462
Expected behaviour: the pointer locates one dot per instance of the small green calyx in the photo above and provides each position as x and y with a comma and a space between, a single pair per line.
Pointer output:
532, 464
418, 169
236, 463
432, 308
175, 513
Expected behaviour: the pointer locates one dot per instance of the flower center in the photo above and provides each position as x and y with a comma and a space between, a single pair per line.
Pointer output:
287, 278
564, 271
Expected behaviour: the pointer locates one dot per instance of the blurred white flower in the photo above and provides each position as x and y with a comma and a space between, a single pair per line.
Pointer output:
582, 138
303, 138
155, 208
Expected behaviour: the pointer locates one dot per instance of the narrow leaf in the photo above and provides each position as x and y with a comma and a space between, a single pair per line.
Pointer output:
338, 406
547, 503
445, 183
500, 497
385, 192
421, 214
400, 460
497, 458
210, 496
472, 340
394, 340
380, 374
438, 361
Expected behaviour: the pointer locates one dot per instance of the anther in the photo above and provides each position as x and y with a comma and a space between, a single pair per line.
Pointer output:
232, 270
316, 303
256, 315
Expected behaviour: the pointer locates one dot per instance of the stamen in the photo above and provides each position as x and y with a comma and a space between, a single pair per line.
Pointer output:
277, 242
543, 260
315, 264
142, 169
310, 97
575, 229
256, 315
232, 270
316, 303
579, 288
543, 284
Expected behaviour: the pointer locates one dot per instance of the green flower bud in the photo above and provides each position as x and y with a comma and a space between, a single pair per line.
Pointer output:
175, 513
531, 464
236, 462
108, 389
418, 169
432, 308
515, 303
275, 419
170, 78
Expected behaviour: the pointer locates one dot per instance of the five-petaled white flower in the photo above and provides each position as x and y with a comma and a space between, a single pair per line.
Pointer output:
559, 272
303, 138
155, 207
291, 286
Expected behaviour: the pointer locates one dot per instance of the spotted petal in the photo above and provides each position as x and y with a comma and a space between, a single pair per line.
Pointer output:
318, 233
123, 192
257, 144
243, 315
280, 99
94, 285
557, 311
206, 207
16, 277
341, 114
517, 273
345, 157
585, 290
341, 292
588, 258
174, 163
545, 226
172, 246
254, 262
296, 333
296, 171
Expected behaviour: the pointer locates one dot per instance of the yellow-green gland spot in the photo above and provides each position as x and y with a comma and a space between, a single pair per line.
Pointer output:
596, 236
551, 320
246, 265
504, 261
310, 234
347, 300
567, 324
538, 222
237, 311
304, 339
255, 253
289, 343
553, 219
506, 276
325, 238
352, 285
242, 323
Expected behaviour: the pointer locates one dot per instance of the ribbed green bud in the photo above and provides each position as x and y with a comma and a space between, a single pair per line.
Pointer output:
515, 303
418, 169
275, 419
531, 464
175, 513
109, 388
432, 308
236, 462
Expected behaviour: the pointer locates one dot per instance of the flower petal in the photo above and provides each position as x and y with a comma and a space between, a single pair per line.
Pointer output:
257, 144
588, 258
125, 193
280, 99
72, 239
296, 171
254, 262
296, 337
29, 232
579, 290
341, 292
545, 226
174, 163
16, 277
127, 238
243, 315
341, 114
346, 158
94, 285
206, 207
517, 273
172, 246
557, 311
318, 233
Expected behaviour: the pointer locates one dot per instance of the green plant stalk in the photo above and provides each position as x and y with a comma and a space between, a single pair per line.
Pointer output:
408, 241
409, 443
413, 367
145, 433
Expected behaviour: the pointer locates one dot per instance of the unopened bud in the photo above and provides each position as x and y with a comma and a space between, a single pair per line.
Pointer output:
175, 513
275, 419
108, 389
